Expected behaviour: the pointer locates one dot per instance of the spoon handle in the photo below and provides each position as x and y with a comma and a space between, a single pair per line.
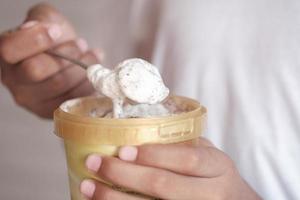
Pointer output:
74, 61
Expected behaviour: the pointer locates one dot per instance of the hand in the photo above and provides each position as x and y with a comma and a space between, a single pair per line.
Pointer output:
38, 81
173, 171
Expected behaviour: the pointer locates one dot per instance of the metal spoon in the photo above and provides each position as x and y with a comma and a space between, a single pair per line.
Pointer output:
74, 61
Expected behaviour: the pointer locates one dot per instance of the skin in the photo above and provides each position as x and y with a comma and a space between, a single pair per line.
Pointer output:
36, 80
40, 82
174, 171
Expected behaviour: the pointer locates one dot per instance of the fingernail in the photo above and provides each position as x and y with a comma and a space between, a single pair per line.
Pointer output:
99, 54
93, 162
28, 24
128, 153
82, 44
54, 31
87, 188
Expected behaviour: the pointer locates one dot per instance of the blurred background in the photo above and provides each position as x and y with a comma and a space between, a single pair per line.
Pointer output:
32, 160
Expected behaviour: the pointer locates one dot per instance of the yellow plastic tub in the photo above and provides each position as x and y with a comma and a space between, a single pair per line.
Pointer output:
84, 134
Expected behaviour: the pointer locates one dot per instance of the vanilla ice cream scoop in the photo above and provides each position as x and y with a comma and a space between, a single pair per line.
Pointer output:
135, 79
141, 82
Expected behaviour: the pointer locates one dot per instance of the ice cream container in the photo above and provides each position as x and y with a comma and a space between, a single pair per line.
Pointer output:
83, 134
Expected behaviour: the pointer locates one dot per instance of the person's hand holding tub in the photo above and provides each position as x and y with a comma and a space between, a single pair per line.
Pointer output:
168, 171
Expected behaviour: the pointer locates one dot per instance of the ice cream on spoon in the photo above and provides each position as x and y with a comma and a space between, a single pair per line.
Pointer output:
135, 79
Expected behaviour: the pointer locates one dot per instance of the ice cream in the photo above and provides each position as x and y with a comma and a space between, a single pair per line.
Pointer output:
134, 79
142, 111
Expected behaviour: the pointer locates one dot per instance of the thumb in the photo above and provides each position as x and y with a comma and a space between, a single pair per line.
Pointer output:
48, 15
44, 28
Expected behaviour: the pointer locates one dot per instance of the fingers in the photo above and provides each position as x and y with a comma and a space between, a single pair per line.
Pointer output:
63, 81
43, 29
54, 86
99, 191
145, 180
34, 69
46, 13
201, 161
158, 179
44, 97
43, 66
28, 41
59, 83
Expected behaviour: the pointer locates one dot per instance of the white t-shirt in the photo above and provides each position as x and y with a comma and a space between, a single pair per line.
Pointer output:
241, 59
